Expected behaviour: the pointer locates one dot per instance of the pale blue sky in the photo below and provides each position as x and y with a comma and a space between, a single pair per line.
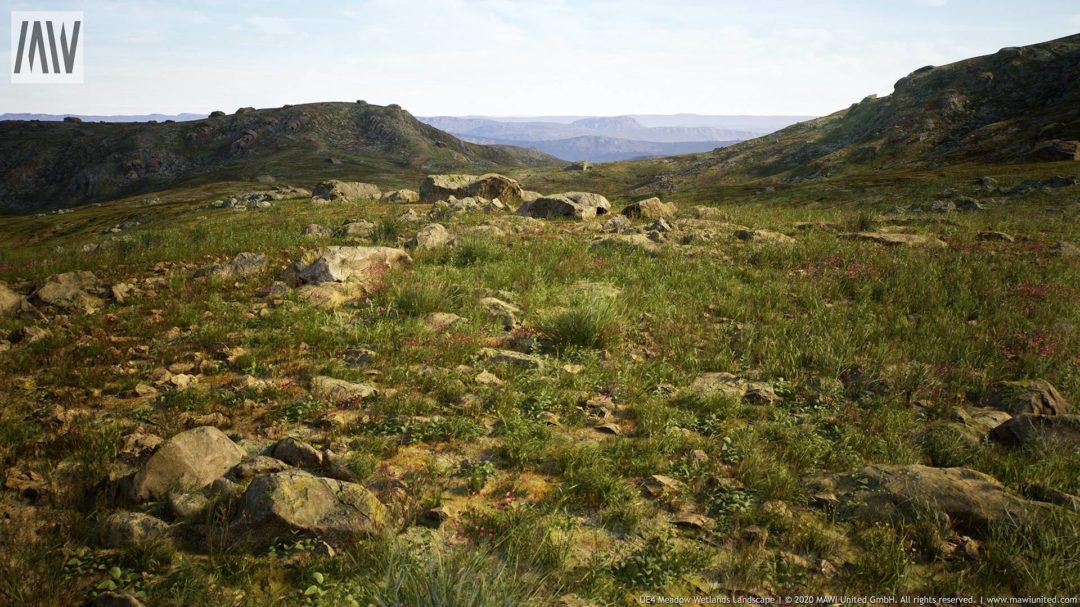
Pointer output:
520, 57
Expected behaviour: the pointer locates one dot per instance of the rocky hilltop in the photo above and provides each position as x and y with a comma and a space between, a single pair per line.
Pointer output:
1020, 104
62, 164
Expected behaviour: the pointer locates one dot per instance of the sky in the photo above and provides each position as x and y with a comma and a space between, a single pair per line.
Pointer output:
519, 57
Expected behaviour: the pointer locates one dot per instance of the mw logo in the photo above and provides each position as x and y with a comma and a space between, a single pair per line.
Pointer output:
47, 47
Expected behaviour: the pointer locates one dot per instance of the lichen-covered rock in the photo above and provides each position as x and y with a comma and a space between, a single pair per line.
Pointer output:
431, 236
338, 390
401, 197
341, 264
294, 502
1028, 430
651, 208
1036, 396
243, 265
491, 185
70, 291
576, 205
335, 190
126, 528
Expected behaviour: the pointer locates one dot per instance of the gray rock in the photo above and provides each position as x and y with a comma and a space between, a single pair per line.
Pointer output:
243, 265
314, 230
506, 313
335, 190
255, 465
576, 205
491, 185
401, 197
1027, 430
187, 506
298, 453
511, 358
338, 390
69, 291
429, 237
650, 208
126, 528
191, 459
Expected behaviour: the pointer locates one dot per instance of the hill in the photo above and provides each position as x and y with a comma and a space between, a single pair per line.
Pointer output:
597, 148
1021, 104
63, 164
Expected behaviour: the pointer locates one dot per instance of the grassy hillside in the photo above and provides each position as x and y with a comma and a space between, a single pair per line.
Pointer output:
46, 165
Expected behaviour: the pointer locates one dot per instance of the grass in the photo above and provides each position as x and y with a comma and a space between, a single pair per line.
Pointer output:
870, 350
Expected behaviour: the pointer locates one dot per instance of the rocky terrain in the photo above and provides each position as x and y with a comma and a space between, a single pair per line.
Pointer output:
371, 384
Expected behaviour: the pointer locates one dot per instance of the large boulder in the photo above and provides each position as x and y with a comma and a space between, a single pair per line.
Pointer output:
341, 264
651, 208
401, 197
491, 185
70, 291
973, 501
294, 502
334, 190
1028, 430
1036, 396
191, 459
577, 205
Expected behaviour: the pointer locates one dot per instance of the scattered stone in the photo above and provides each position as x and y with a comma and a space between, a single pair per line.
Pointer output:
187, 506
297, 453
335, 190
69, 291
11, 303
486, 378
650, 208
763, 236
990, 235
609, 428
400, 197
193, 458
895, 239
1027, 430
432, 236
506, 313
693, 521
314, 230
243, 265
616, 225
1036, 396
1066, 250
254, 466
29, 334
290, 503
659, 485
511, 358
361, 229
127, 528
338, 390
441, 321
755, 393
637, 241
27, 483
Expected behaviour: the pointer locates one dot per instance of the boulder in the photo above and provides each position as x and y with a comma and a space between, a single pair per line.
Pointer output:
973, 501
1027, 430
314, 230
11, 303
506, 313
400, 197
338, 390
341, 264
893, 239
254, 466
577, 205
193, 458
431, 236
243, 265
650, 208
187, 506
355, 229
294, 502
334, 190
1036, 396
69, 291
126, 528
529, 195
491, 185
298, 453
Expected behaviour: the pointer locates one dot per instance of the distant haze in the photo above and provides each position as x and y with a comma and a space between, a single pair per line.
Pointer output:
520, 57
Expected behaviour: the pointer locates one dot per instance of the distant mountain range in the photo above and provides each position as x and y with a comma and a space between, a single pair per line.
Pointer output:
610, 138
